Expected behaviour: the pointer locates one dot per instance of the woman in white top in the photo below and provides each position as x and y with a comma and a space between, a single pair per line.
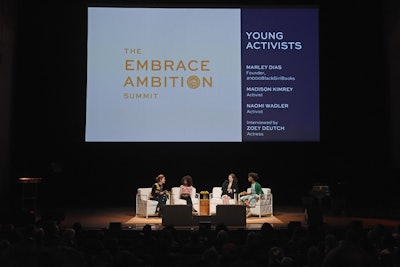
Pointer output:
185, 190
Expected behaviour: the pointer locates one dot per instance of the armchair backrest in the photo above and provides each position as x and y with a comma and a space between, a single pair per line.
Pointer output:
144, 193
175, 193
216, 192
266, 190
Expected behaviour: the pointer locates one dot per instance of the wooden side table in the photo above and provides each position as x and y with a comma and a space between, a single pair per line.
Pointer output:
204, 203
204, 206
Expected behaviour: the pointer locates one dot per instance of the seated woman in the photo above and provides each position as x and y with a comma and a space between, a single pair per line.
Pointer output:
229, 188
250, 199
159, 194
185, 190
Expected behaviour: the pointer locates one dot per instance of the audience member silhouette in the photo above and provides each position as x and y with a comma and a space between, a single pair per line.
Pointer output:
48, 244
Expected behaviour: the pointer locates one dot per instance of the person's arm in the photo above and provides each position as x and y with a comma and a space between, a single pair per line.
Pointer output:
191, 191
224, 188
258, 188
155, 190
184, 191
245, 192
235, 187
180, 190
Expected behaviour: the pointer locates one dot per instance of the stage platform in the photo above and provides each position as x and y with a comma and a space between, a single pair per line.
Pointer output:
101, 217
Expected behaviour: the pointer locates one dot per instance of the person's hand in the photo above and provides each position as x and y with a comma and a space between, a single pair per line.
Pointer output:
229, 190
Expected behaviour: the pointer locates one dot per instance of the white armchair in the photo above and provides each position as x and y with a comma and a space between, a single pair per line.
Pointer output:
144, 205
264, 204
215, 199
176, 200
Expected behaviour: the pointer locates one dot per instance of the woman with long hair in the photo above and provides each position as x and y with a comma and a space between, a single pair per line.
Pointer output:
229, 188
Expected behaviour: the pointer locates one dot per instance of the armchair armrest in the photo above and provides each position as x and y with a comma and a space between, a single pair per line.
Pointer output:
243, 193
144, 197
265, 198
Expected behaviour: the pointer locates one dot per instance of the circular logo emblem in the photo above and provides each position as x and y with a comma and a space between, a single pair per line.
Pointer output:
193, 82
